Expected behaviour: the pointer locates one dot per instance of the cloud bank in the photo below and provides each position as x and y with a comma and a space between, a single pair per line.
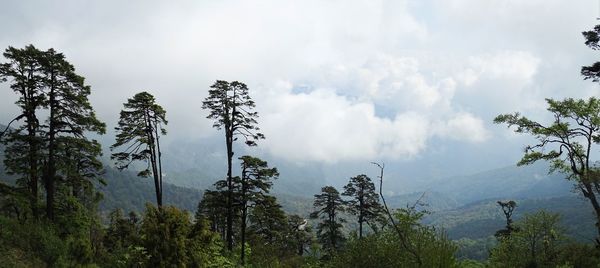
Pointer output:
333, 80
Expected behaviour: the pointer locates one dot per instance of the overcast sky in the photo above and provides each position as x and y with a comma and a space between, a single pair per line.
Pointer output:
334, 81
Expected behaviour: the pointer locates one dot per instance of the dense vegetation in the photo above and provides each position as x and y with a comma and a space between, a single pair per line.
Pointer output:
54, 181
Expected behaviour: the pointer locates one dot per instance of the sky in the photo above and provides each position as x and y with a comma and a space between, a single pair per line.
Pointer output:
335, 81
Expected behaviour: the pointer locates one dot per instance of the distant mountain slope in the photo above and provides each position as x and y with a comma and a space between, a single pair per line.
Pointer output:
129, 192
433, 201
513, 182
483, 218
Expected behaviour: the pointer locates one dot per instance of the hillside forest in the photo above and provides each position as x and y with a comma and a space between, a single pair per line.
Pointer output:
64, 204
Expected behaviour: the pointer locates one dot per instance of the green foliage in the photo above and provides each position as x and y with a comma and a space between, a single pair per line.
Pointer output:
364, 203
384, 248
536, 242
230, 106
592, 40
566, 143
328, 206
475, 249
129, 192
57, 149
205, 248
139, 129
31, 244
164, 233
170, 240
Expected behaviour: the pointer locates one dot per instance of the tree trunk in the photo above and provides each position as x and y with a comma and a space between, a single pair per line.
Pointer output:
33, 167
360, 216
229, 141
589, 194
159, 154
300, 243
243, 253
50, 173
152, 145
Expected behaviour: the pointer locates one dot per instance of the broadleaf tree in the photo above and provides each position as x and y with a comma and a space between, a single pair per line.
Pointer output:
141, 124
231, 108
566, 143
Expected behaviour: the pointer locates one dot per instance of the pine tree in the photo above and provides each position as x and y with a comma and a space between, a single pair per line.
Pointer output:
567, 143
45, 79
212, 208
70, 115
268, 220
251, 188
365, 201
231, 108
328, 205
140, 127
23, 143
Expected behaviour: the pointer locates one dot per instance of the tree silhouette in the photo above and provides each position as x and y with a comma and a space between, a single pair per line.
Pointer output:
507, 208
23, 152
230, 107
251, 188
70, 117
329, 205
140, 127
566, 143
592, 40
365, 201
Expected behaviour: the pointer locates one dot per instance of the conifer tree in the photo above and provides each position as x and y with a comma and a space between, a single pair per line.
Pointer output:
23, 143
230, 105
365, 201
70, 115
45, 79
212, 208
139, 129
268, 220
566, 143
299, 233
328, 205
251, 188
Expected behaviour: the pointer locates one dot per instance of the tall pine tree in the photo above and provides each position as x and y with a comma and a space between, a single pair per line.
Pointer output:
140, 127
251, 188
365, 201
70, 117
24, 142
230, 105
328, 206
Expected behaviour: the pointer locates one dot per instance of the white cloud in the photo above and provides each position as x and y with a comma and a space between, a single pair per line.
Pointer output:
382, 78
337, 120
463, 127
323, 126
518, 66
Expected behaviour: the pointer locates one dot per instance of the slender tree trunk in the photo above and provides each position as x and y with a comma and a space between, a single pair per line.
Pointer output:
152, 145
332, 226
244, 216
50, 173
159, 155
229, 140
401, 236
33, 167
589, 194
360, 218
244, 204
